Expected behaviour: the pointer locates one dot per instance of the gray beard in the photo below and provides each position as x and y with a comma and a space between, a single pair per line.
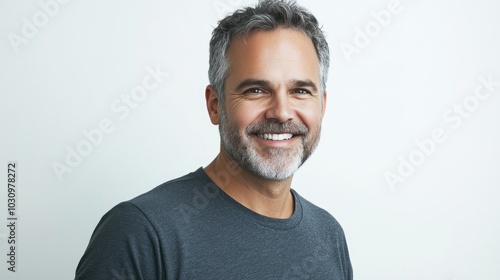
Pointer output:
277, 163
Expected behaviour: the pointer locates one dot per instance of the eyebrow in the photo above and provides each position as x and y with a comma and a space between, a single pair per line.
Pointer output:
253, 82
267, 84
304, 83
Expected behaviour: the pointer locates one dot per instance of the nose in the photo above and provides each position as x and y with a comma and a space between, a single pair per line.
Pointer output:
280, 108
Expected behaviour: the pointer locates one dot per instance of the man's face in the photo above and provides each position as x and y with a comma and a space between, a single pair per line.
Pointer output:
270, 121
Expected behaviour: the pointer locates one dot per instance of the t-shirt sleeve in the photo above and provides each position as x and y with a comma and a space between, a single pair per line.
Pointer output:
124, 245
347, 266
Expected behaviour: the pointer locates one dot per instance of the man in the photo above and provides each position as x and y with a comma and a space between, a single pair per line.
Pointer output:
238, 218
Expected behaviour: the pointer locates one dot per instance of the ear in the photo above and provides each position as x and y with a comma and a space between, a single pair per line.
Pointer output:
323, 105
212, 104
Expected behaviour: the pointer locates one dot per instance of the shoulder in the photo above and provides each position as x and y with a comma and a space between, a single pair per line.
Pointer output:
129, 236
317, 216
172, 202
121, 244
324, 229
172, 193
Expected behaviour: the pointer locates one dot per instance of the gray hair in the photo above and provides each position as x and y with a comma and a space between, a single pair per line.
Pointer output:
266, 15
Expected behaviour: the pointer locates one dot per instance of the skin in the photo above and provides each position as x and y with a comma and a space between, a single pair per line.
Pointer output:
274, 75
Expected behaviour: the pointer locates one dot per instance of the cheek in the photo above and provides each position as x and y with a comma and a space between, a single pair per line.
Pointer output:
310, 115
242, 115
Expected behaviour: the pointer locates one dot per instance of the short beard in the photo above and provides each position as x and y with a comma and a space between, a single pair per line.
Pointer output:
280, 163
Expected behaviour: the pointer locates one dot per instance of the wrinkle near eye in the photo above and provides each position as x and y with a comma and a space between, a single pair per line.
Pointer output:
234, 99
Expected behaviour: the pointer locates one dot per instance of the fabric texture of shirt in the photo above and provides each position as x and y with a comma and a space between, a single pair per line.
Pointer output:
189, 229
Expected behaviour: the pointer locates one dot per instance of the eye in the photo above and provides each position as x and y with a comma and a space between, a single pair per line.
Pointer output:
301, 91
253, 90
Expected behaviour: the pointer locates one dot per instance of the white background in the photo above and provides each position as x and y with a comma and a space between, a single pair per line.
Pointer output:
442, 222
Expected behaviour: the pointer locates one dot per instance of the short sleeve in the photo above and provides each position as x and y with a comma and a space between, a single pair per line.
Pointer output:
346, 261
124, 245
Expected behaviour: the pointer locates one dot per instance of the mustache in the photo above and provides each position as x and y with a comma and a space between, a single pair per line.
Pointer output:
268, 126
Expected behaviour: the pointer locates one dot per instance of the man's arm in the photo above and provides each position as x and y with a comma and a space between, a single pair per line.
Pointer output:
124, 245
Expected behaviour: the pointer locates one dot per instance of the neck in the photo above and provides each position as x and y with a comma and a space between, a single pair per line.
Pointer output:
269, 198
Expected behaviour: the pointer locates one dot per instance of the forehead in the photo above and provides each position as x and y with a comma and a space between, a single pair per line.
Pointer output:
279, 53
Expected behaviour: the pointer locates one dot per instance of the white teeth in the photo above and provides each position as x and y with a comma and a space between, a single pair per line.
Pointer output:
275, 137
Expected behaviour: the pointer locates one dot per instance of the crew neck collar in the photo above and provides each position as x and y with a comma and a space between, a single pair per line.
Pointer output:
274, 223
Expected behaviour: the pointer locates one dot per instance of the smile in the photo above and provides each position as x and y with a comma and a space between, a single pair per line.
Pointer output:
275, 137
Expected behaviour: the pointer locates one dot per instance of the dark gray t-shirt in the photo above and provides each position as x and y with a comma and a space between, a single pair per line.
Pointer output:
188, 228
